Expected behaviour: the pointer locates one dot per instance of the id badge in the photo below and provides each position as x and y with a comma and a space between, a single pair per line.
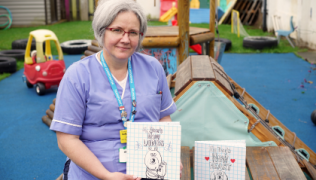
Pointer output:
123, 136
123, 155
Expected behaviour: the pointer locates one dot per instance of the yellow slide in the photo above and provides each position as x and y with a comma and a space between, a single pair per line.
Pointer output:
169, 14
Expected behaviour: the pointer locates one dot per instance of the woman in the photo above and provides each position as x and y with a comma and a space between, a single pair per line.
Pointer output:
88, 114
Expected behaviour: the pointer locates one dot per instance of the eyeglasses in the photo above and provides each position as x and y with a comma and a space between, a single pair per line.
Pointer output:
119, 31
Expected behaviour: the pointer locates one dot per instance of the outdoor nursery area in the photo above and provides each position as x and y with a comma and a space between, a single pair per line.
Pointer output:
240, 76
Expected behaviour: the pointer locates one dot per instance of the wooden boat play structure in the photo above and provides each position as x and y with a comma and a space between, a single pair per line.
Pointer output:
262, 124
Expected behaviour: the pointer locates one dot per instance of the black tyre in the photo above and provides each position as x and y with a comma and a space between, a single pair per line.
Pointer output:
259, 42
226, 41
7, 65
75, 46
313, 116
14, 53
21, 44
40, 88
28, 84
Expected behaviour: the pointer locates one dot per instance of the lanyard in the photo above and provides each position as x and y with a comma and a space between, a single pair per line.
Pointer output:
116, 93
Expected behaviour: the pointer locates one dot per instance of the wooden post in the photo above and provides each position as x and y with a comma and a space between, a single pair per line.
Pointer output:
96, 4
183, 22
84, 10
74, 9
212, 25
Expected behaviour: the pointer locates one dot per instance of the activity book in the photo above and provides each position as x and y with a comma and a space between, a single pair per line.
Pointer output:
154, 150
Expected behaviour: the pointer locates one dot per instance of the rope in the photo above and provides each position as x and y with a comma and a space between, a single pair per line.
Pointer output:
7, 25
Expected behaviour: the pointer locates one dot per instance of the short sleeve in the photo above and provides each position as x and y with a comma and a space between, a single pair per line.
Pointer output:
167, 104
70, 102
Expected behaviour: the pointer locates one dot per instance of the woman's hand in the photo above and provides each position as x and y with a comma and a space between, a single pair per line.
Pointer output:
121, 176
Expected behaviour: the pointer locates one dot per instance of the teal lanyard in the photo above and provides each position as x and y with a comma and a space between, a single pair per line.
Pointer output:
116, 93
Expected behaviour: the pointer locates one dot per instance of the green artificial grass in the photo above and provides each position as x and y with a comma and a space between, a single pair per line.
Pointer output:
83, 30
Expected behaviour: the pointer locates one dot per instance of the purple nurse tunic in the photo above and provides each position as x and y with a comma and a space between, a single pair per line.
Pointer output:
86, 106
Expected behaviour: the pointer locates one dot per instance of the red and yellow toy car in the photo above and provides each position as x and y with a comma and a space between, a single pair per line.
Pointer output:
40, 69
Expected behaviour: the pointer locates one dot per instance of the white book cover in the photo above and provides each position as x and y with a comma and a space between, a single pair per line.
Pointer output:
225, 160
154, 150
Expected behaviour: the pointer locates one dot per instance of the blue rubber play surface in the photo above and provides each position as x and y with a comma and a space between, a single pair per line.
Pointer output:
28, 149
275, 80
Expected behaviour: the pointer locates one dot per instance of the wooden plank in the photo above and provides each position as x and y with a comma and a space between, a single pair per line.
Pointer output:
261, 132
169, 80
273, 121
84, 10
183, 21
173, 83
192, 156
215, 63
260, 164
94, 48
228, 12
82, 57
52, 107
242, 9
310, 169
183, 75
285, 164
185, 159
256, 13
245, 11
222, 80
50, 113
158, 31
218, 66
212, 23
47, 120
60, 177
88, 53
247, 174
95, 43
202, 68
201, 38
160, 42
251, 11
175, 99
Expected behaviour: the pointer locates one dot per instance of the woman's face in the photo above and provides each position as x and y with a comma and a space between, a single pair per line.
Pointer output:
121, 47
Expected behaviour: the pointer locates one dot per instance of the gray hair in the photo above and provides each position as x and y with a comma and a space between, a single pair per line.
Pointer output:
106, 12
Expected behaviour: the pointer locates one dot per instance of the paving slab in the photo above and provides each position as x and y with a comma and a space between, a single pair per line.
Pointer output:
309, 56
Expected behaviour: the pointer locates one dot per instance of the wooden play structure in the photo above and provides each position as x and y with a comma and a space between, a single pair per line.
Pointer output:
249, 12
176, 39
262, 124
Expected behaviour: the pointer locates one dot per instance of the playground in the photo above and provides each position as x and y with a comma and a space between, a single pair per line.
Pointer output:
279, 77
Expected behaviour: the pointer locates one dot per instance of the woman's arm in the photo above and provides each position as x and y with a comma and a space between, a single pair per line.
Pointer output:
81, 155
165, 119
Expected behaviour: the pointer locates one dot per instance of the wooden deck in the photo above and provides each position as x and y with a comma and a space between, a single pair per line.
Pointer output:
168, 36
277, 163
164, 31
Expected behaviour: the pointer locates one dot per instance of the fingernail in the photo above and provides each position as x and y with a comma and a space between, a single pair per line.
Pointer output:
134, 177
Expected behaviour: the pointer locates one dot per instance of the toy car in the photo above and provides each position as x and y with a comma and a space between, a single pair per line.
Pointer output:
40, 69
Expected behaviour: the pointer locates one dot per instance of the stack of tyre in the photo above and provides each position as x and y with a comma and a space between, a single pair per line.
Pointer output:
75, 46
8, 57
47, 119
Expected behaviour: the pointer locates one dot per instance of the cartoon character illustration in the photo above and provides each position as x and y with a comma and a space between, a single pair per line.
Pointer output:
156, 168
218, 175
